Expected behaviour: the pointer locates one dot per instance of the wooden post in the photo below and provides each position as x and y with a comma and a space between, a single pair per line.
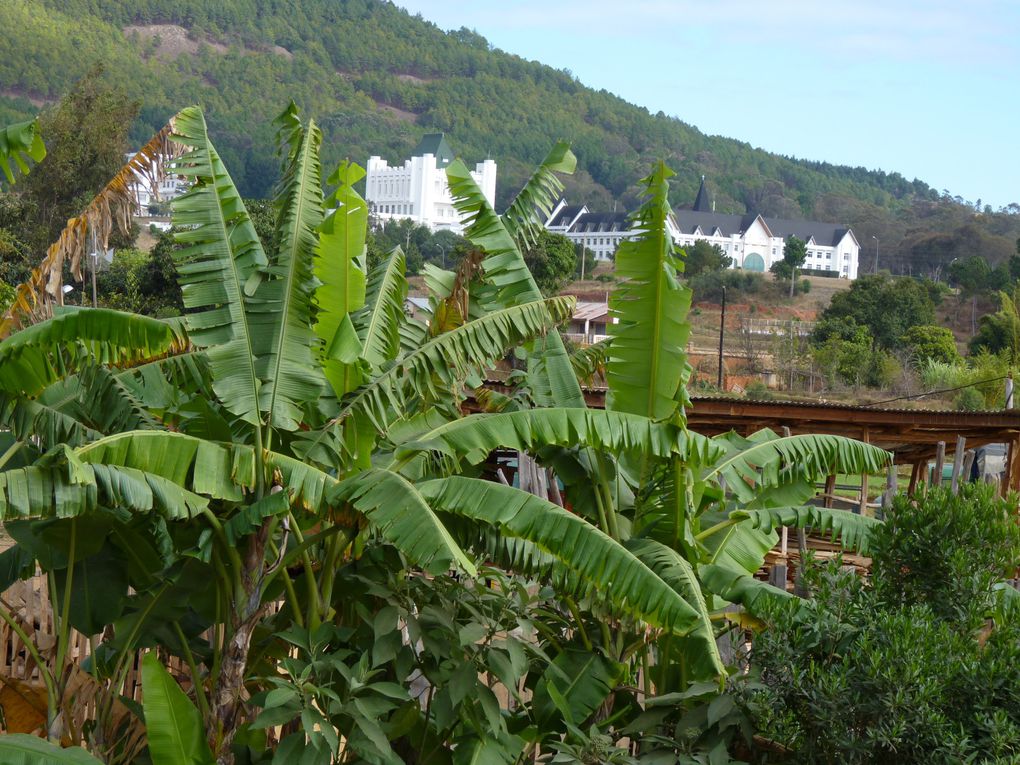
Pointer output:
777, 576
830, 489
1009, 391
961, 446
940, 459
968, 465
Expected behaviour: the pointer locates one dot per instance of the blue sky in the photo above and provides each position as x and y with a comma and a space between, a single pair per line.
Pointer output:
928, 89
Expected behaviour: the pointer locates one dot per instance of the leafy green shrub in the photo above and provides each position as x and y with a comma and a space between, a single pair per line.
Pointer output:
969, 400
605, 278
946, 551
709, 284
804, 286
758, 391
930, 342
6, 296
899, 672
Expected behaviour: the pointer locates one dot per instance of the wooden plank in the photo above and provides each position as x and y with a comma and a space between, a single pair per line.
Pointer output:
968, 465
864, 479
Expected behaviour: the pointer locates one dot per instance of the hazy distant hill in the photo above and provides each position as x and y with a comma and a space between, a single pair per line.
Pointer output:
376, 78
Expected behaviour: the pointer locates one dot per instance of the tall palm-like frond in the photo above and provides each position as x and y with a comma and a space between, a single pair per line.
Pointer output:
579, 546
281, 311
20, 143
647, 367
533, 204
443, 363
219, 270
35, 357
767, 460
472, 439
110, 209
339, 267
505, 269
379, 324
854, 532
394, 506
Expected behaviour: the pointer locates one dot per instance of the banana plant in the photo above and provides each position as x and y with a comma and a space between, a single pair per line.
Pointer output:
698, 512
207, 468
20, 143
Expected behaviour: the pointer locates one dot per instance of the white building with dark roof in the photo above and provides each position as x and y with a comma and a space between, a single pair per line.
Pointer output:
752, 241
418, 189
755, 242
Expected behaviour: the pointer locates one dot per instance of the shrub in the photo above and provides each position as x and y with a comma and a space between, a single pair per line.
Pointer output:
969, 400
758, 391
709, 285
804, 286
946, 551
897, 672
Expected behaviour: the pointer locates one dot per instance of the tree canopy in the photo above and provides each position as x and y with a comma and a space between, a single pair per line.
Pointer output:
887, 306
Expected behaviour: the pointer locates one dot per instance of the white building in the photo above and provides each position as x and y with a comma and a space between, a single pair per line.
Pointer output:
752, 241
418, 189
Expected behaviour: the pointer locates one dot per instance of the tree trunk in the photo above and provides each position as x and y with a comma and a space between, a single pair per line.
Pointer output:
225, 709
793, 281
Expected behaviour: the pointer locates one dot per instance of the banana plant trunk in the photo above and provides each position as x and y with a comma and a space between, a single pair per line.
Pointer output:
226, 707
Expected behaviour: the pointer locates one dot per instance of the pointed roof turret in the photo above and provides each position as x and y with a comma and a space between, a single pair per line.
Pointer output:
436, 145
702, 203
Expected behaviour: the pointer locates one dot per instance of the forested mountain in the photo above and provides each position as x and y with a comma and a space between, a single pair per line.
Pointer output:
377, 78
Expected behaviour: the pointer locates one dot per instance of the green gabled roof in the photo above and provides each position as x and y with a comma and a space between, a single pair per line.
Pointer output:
436, 145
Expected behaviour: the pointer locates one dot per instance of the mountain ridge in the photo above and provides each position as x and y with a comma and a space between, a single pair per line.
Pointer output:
376, 78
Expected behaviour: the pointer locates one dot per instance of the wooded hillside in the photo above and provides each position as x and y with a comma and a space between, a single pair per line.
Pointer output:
377, 78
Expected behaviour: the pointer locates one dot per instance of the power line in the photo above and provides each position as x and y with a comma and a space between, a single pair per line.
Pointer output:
942, 390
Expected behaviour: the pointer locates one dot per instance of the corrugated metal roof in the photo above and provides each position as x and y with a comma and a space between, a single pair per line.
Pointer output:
585, 311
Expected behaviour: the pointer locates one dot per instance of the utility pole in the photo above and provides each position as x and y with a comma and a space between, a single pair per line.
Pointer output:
722, 329
876, 252
581, 246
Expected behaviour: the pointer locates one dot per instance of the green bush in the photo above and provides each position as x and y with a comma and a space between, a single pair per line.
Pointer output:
946, 551
969, 400
804, 286
910, 669
709, 285
758, 391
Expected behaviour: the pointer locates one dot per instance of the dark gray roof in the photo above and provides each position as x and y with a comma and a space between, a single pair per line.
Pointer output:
567, 214
601, 221
689, 220
825, 234
436, 145
702, 202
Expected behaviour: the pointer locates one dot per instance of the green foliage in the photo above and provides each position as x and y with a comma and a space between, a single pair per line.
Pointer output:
794, 255
999, 332
845, 353
173, 723
20, 143
86, 137
927, 343
552, 260
969, 400
739, 285
22, 749
6, 296
972, 275
927, 554
887, 306
896, 672
703, 257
